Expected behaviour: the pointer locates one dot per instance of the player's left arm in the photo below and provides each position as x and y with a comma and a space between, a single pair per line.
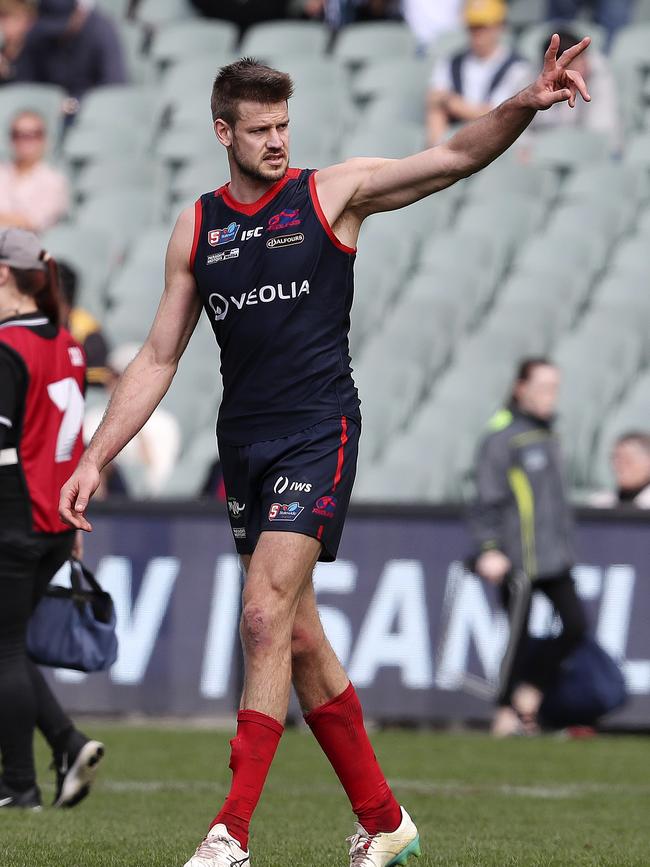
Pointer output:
355, 189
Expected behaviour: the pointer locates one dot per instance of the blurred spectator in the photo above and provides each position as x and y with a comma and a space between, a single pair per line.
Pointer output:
33, 195
429, 20
83, 326
337, 13
523, 528
472, 82
16, 20
602, 114
631, 464
244, 14
73, 45
151, 455
610, 14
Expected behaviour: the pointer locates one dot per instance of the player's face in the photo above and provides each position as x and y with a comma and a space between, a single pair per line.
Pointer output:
538, 395
260, 140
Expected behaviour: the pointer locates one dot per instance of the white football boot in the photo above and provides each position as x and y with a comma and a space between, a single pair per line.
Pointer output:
219, 849
384, 849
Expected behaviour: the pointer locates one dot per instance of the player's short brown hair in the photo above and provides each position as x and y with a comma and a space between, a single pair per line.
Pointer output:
247, 79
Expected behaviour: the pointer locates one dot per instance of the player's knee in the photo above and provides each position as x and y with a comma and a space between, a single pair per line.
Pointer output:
256, 626
304, 643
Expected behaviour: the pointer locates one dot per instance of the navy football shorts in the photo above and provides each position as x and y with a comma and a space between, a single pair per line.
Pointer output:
296, 484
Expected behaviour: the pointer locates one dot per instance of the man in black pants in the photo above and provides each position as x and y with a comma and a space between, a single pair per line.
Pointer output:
524, 529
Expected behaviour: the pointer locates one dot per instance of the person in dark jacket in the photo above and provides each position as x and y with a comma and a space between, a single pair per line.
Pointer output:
74, 46
523, 527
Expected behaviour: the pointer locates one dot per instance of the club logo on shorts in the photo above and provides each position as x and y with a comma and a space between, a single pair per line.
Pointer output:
284, 220
235, 508
285, 512
325, 507
223, 236
285, 240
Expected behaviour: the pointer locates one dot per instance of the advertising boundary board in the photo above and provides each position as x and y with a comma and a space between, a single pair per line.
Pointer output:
420, 636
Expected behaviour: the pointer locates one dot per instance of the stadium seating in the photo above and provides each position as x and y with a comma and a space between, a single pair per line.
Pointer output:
541, 252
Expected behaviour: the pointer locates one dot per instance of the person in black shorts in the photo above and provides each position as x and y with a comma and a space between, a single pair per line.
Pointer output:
42, 378
269, 256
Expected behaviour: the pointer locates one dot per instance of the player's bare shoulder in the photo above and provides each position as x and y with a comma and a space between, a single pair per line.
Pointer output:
179, 248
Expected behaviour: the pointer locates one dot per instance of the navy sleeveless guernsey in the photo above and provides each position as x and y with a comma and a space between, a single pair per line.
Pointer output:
277, 286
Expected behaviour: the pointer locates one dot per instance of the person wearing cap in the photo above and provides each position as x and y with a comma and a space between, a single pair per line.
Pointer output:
474, 81
33, 194
73, 45
42, 373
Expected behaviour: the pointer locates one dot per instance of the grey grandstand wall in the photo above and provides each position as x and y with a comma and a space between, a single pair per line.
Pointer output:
421, 637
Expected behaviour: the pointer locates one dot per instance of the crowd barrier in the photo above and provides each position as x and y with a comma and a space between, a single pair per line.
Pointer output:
420, 636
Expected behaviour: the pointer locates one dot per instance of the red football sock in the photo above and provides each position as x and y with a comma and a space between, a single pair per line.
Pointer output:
338, 728
253, 748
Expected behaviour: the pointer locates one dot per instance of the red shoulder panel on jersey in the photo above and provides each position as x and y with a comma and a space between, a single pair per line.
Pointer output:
323, 219
198, 221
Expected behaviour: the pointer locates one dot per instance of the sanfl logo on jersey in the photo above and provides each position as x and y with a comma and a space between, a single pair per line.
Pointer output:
223, 236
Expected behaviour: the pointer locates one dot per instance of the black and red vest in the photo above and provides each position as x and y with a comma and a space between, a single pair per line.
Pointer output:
277, 286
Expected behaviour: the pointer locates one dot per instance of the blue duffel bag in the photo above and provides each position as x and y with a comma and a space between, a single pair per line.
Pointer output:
74, 627
590, 684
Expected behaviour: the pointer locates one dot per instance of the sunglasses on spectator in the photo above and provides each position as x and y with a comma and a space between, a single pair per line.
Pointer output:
27, 134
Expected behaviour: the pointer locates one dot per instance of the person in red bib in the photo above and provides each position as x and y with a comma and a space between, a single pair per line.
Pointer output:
269, 257
42, 381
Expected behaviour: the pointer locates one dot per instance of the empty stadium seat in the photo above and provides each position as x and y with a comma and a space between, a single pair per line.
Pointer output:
388, 75
87, 144
177, 40
391, 141
155, 13
568, 148
273, 38
106, 174
362, 43
532, 42
120, 214
86, 250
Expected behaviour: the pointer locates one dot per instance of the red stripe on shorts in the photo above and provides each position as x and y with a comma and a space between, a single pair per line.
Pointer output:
339, 462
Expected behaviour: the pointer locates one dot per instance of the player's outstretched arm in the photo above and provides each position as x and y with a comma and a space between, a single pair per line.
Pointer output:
145, 380
365, 186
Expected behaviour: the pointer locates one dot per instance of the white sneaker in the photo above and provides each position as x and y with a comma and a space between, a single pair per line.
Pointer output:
383, 849
219, 849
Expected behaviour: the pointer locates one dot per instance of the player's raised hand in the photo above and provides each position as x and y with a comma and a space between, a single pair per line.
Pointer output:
558, 83
76, 494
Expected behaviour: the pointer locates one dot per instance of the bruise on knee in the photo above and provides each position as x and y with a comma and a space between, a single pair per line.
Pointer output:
256, 627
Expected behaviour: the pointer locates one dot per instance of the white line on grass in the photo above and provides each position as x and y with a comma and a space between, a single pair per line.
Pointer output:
423, 787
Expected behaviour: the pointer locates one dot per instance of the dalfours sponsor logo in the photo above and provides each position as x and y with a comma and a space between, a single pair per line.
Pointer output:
285, 512
283, 483
216, 237
235, 507
223, 257
280, 241
325, 507
264, 295
284, 220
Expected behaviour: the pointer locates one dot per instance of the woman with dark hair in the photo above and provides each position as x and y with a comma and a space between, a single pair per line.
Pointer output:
42, 373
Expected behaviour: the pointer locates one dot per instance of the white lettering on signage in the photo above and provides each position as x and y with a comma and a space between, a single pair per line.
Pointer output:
220, 641
395, 631
337, 577
469, 621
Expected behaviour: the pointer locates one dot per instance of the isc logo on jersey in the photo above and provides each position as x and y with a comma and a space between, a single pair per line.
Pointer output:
265, 295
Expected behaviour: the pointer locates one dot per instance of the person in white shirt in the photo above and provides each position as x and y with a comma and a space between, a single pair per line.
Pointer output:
427, 19
631, 465
473, 82
33, 195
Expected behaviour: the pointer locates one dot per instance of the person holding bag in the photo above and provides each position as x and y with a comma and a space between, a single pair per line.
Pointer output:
42, 375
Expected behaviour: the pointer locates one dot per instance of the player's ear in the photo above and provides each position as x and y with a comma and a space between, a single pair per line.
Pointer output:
223, 132
4, 274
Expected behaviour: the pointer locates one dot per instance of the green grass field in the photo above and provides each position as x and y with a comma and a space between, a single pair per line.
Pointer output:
477, 802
